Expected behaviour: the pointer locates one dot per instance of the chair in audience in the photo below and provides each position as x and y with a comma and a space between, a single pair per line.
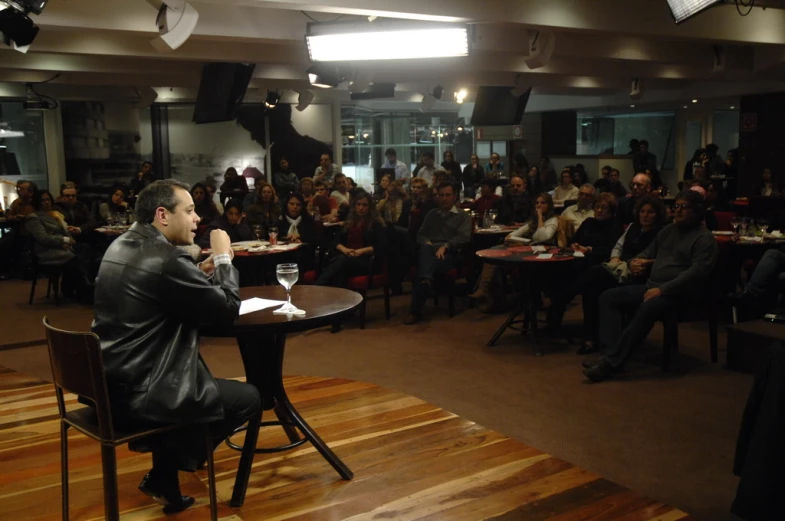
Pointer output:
362, 284
77, 367
54, 275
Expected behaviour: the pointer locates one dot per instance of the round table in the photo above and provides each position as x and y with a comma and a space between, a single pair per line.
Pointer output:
261, 336
534, 269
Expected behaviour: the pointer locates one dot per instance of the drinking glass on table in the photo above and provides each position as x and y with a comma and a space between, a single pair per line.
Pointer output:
287, 276
258, 231
763, 226
493, 214
273, 233
735, 224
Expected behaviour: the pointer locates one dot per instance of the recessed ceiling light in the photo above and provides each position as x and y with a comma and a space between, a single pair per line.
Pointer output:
732, 107
632, 106
685, 106
695, 101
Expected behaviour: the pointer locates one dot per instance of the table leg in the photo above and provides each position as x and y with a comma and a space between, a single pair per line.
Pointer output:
507, 323
533, 297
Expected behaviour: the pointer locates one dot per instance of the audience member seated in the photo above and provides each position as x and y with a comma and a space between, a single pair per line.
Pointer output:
650, 218
234, 187
657, 186
452, 166
760, 292
598, 235
401, 169
440, 176
296, 226
77, 215
286, 181
715, 198
442, 235
601, 184
614, 185
327, 206
205, 209
341, 192
566, 190
640, 186
381, 189
142, 178
579, 175
541, 227
578, 213
426, 167
495, 167
767, 187
326, 170
211, 190
689, 168
473, 174
488, 200
395, 207
515, 206
713, 162
362, 236
547, 173
115, 205
23, 204
308, 189
681, 257
12, 241
231, 222
53, 245
644, 159
422, 204
266, 211
699, 177
534, 181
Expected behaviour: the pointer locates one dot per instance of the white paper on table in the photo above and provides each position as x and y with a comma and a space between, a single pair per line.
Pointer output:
258, 304
545, 256
285, 247
578, 254
522, 240
537, 249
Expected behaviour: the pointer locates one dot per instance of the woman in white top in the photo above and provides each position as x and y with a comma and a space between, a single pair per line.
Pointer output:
567, 190
543, 225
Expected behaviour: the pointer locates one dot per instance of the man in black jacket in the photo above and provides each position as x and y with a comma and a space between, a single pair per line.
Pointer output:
516, 205
149, 303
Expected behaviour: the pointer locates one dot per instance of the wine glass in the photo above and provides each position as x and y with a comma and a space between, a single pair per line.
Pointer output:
272, 231
745, 226
763, 226
735, 224
258, 231
287, 276
493, 214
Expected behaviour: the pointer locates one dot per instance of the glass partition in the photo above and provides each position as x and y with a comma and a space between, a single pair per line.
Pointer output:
22, 148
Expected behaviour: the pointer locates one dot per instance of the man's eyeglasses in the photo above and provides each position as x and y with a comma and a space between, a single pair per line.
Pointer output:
683, 206
69, 196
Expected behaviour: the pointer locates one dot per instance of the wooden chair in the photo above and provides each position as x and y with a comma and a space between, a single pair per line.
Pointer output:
54, 275
77, 367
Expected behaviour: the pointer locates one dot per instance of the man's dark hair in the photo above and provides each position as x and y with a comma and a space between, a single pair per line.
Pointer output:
447, 184
156, 195
390, 152
656, 203
33, 186
489, 182
38, 195
614, 170
643, 142
607, 167
337, 176
427, 154
229, 205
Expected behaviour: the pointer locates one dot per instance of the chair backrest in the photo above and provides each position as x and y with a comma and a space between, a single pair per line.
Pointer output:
724, 220
78, 367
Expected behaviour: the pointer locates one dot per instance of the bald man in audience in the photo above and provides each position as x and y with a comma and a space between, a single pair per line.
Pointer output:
639, 187
578, 213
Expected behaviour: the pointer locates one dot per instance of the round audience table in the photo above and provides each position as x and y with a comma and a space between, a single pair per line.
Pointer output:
532, 270
261, 336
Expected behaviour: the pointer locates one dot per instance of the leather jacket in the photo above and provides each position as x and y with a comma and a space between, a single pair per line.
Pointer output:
150, 300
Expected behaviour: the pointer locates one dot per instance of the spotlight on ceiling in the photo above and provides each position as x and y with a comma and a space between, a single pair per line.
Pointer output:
272, 99
460, 96
428, 102
541, 47
176, 22
323, 77
684, 9
438, 91
305, 99
17, 30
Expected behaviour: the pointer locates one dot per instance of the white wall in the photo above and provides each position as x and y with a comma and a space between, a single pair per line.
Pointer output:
315, 121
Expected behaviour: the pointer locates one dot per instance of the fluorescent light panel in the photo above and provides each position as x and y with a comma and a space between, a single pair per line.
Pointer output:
683, 9
389, 45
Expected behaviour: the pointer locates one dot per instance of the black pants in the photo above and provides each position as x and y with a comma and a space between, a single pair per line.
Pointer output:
342, 267
590, 284
184, 449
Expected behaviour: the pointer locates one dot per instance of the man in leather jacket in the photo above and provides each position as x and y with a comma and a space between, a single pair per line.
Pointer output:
150, 301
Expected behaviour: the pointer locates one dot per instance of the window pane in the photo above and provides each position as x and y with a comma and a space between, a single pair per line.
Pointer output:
484, 149
725, 132
500, 147
21, 157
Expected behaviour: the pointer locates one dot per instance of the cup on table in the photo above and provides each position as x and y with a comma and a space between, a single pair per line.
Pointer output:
273, 232
258, 231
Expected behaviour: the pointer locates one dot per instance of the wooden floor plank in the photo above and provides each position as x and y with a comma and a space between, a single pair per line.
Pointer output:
412, 462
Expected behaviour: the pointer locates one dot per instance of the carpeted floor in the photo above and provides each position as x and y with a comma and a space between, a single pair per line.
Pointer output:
669, 436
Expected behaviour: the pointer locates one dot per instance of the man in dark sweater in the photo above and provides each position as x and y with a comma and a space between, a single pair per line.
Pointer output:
442, 234
681, 257
516, 205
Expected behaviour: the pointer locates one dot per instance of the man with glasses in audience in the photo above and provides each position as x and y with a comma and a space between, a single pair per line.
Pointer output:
150, 301
640, 186
577, 213
77, 215
444, 232
681, 259
515, 205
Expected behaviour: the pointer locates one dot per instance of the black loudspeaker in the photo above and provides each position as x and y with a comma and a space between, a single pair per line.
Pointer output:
221, 91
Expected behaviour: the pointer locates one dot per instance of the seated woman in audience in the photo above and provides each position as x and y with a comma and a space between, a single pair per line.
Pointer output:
473, 173
307, 189
297, 226
232, 223
54, 246
211, 189
488, 200
381, 190
657, 186
542, 226
534, 184
204, 208
452, 166
266, 211
362, 236
767, 187
598, 235
650, 217
394, 208
326, 204
566, 190
115, 205
422, 203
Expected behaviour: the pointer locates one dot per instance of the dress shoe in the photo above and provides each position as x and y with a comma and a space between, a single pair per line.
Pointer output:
411, 320
587, 348
600, 371
166, 495
590, 362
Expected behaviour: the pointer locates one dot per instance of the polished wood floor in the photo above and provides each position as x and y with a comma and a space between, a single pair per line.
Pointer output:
412, 461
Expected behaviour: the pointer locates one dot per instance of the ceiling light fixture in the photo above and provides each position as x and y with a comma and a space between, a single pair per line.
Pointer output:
695, 101
17, 30
732, 107
685, 9
460, 96
385, 41
176, 22
438, 91
324, 77
632, 106
305, 99
272, 99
